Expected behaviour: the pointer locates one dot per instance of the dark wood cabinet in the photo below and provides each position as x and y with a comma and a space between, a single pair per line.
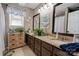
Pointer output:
45, 52
47, 46
46, 49
42, 48
37, 52
59, 52
38, 46
30, 41
26, 39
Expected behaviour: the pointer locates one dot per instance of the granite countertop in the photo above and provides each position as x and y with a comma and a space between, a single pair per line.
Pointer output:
51, 40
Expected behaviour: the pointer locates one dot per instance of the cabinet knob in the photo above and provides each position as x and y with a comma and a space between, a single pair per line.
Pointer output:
13, 44
13, 39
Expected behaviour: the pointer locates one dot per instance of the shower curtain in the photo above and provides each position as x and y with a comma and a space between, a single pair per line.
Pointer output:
2, 30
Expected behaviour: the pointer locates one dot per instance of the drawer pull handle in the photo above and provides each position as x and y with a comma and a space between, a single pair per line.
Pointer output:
13, 44
13, 39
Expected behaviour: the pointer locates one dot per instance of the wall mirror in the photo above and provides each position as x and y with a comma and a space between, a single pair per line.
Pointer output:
36, 21
73, 22
59, 22
70, 17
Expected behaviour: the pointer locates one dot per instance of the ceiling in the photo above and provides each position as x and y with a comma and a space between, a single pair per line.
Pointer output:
25, 5
60, 10
29, 5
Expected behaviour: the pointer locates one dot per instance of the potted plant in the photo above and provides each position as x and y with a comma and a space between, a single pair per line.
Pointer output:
20, 29
39, 32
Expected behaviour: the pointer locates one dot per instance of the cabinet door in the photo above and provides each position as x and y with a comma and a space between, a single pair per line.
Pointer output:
47, 46
38, 44
37, 52
73, 22
37, 47
32, 43
45, 52
59, 52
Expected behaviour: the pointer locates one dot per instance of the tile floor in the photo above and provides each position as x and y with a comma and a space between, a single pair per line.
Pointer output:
24, 51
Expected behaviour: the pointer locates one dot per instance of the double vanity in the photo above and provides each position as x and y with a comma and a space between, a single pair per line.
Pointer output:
46, 45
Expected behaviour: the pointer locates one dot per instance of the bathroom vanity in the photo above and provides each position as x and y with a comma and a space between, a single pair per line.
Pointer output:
45, 45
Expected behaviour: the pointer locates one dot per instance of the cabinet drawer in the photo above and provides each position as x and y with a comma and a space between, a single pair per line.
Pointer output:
12, 46
12, 35
20, 43
47, 46
46, 52
12, 40
20, 37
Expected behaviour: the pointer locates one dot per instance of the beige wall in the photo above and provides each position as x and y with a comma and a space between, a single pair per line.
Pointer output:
46, 11
28, 19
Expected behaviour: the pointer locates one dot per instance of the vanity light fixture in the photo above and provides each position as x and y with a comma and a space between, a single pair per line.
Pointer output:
42, 8
45, 6
39, 10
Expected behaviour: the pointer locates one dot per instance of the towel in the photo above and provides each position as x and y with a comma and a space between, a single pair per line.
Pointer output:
71, 47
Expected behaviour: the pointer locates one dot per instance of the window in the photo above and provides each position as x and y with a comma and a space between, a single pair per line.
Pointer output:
16, 20
16, 17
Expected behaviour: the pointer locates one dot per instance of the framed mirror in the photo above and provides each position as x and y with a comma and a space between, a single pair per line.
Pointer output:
59, 20
63, 20
36, 21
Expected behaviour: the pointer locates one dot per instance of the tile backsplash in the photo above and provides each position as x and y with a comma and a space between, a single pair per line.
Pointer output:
64, 38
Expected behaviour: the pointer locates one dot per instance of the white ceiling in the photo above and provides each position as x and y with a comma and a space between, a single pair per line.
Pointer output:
24, 5
29, 5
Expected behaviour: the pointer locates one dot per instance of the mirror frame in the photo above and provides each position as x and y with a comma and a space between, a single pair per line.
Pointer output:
39, 20
53, 22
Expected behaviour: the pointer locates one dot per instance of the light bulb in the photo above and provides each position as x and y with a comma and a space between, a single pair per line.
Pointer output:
45, 6
41, 8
